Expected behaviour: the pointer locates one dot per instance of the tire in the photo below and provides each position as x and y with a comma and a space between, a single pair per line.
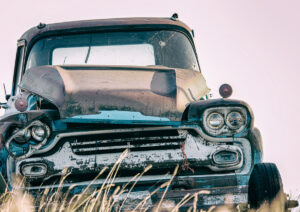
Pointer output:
265, 185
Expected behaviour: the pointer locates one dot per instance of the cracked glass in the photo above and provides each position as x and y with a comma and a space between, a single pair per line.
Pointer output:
166, 48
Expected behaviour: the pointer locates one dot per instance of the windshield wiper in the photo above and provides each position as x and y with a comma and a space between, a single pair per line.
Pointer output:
88, 55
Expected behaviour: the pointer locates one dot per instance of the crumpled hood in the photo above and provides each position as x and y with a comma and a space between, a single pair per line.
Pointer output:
82, 90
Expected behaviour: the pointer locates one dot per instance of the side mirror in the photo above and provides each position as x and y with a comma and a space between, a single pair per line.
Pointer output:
7, 96
3, 105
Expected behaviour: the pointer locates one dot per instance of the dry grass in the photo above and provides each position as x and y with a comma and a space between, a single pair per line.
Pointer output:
103, 200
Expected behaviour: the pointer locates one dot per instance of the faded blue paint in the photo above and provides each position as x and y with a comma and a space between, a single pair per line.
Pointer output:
58, 125
242, 179
32, 102
257, 156
121, 117
3, 159
20, 149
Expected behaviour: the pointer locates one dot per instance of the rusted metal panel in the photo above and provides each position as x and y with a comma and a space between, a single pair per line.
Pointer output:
196, 153
83, 90
207, 197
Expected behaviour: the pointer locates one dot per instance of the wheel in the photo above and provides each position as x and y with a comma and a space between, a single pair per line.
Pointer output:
265, 185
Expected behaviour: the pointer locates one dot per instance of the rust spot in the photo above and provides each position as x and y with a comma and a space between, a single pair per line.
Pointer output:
185, 164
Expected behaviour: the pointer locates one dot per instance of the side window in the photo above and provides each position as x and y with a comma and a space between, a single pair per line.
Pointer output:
18, 68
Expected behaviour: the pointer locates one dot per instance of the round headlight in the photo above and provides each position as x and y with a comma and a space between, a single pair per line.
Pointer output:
215, 121
235, 120
39, 133
22, 135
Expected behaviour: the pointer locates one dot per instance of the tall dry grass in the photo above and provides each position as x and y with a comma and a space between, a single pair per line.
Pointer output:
105, 198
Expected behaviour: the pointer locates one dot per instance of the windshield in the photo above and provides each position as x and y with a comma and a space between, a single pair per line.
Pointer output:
137, 48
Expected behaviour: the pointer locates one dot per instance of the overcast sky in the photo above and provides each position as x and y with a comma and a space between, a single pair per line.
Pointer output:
252, 45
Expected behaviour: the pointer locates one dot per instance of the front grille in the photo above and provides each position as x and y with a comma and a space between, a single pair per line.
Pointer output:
162, 148
119, 141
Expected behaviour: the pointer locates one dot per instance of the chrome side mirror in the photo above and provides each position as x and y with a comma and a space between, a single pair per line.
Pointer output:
7, 96
3, 105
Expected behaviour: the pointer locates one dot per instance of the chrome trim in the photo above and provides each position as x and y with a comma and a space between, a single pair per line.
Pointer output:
193, 149
121, 180
96, 132
37, 175
237, 154
32, 148
244, 143
220, 126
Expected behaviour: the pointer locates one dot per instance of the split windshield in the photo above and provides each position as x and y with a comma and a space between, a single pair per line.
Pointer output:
136, 48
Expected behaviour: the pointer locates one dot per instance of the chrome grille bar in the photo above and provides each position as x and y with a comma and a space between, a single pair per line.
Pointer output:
142, 141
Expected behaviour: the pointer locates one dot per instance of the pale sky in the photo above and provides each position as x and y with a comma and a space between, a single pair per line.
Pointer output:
252, 45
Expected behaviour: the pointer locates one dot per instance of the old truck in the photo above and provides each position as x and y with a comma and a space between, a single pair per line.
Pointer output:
85, 91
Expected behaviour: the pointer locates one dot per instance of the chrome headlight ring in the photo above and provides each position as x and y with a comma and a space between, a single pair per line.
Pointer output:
32, 147
40, 132
235, 120
215, 120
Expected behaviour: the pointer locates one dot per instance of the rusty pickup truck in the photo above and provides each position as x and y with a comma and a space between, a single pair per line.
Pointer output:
83, 92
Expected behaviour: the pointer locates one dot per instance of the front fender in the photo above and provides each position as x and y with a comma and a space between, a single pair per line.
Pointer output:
23, 119
256, 145
194, 110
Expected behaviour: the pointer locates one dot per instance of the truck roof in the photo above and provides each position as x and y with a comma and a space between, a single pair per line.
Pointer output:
114, 24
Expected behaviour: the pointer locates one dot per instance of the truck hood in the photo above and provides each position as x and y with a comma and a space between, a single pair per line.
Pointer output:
82, 90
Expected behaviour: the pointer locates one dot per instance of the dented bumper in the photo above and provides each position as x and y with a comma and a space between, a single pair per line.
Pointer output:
203, 198
198, 198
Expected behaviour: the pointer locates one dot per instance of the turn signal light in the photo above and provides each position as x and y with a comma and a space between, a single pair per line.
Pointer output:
225, 90
21, 104
34, 170
226, 157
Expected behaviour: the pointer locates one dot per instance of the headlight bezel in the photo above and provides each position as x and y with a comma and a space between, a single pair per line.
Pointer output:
226, 129
32, 146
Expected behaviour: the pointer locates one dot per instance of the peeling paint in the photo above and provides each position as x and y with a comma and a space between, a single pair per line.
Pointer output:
199, 154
